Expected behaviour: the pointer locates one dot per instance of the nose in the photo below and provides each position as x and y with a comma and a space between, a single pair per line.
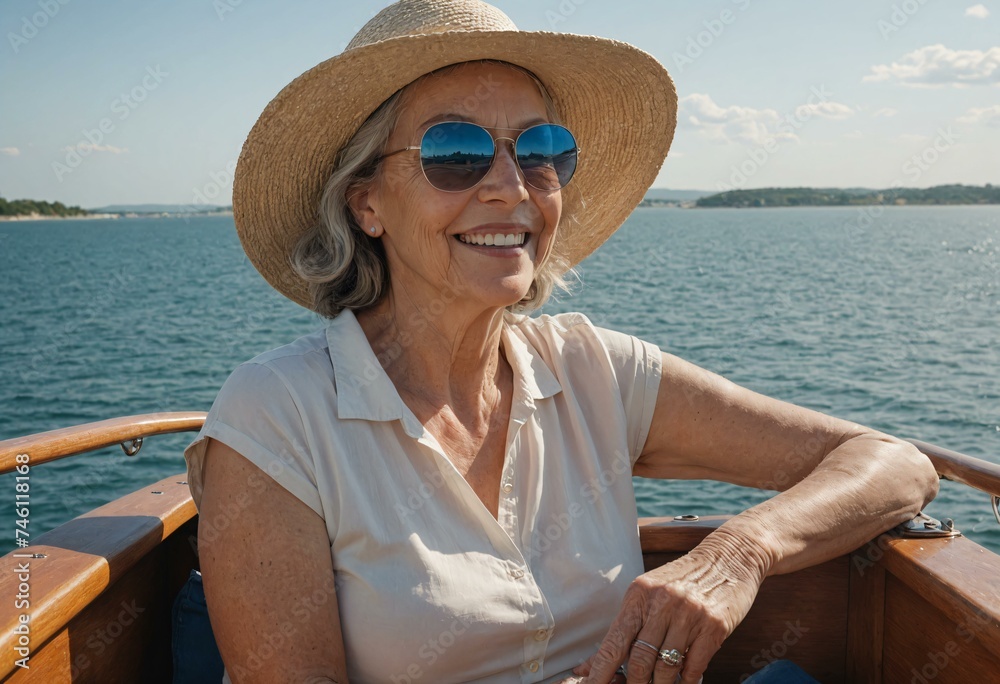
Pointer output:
504, 180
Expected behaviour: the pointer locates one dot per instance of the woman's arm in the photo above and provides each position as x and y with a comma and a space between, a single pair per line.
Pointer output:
842, 484
268, 576
850, 482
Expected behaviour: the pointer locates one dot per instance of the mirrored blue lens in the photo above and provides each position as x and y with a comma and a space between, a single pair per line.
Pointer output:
547, 154
456, 155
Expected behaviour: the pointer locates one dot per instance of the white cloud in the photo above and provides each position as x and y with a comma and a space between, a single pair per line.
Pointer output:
91, 147
853, 135
936, 65
10, 151
985, 115
914, 138
977, 11
733, 123
824, 110
886, 112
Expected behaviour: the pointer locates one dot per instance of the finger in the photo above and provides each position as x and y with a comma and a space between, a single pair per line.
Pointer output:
583, 669
676, 639
614, 648
702, 650
643, 656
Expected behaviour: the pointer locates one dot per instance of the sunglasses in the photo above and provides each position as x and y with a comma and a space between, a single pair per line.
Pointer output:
456, 155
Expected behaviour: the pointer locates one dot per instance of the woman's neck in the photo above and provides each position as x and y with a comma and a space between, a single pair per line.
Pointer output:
440, 352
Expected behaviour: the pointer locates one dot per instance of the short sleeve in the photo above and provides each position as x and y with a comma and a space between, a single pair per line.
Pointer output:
638, 367
255, 414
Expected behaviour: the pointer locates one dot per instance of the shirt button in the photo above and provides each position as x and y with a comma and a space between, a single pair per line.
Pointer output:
516, 573
533, 666
508, 488
541, 634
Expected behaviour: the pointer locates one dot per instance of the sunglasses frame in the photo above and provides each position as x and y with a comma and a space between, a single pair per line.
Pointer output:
493, 159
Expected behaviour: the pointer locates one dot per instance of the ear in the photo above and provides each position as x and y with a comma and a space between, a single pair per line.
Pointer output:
359, 200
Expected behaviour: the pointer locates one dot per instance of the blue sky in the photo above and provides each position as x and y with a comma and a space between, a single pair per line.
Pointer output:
854, 93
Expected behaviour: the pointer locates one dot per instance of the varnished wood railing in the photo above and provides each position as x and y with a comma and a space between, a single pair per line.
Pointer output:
56, 444
970, 471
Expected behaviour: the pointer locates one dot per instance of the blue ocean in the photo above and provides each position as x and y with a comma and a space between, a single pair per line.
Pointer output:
889, 317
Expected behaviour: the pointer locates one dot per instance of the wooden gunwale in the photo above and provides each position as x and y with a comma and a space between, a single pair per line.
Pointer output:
86, 557
56, 444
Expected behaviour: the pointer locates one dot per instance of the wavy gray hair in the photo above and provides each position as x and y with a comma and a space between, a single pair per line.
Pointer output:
347, 269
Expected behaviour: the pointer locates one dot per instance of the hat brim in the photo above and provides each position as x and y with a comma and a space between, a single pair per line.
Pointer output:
619, 102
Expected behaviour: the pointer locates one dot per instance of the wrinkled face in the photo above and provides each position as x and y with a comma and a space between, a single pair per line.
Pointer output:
430, 236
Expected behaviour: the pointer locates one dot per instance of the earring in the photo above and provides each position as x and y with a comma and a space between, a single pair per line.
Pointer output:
372, 229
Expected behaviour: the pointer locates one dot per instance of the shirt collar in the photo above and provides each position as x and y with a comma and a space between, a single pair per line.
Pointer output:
364, 390
530, 369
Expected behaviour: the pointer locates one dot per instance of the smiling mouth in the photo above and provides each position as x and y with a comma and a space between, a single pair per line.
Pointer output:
494, 239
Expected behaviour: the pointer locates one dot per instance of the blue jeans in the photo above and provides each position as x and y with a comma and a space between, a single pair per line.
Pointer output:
780, 672
196, 657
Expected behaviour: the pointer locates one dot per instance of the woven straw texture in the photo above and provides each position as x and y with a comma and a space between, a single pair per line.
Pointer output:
619, 102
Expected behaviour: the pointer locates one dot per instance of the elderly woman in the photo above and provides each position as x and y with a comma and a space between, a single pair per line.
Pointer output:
436, 487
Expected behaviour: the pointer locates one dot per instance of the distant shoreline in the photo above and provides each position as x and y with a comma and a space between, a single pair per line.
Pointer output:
129, 215
40, 217
667, 204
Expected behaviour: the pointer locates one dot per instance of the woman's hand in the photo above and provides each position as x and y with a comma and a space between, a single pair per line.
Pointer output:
692, 605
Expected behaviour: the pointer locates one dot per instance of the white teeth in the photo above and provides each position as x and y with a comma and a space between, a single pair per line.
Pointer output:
497, 239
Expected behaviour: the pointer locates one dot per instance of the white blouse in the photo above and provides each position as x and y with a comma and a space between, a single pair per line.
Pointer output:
431, 587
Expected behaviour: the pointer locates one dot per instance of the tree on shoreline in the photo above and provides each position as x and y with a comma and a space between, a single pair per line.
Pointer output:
835, 197
27, 207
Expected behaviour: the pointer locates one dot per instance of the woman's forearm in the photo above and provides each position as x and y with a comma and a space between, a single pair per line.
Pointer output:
867, 485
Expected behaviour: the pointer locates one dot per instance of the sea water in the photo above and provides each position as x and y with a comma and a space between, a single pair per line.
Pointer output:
888, 317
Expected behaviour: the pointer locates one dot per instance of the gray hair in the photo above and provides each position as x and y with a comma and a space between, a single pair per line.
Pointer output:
347, 269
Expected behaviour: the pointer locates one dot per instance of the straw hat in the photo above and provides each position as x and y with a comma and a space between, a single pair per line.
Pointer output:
619, 102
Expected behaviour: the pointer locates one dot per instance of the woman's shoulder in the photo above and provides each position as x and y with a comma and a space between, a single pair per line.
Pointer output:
572, 340
568, 328
550, 325
305, 358
555, 338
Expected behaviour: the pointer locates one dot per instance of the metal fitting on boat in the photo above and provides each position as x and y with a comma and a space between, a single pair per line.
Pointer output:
925, 526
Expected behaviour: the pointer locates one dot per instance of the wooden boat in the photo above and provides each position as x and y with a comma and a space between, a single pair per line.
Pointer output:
917, 605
